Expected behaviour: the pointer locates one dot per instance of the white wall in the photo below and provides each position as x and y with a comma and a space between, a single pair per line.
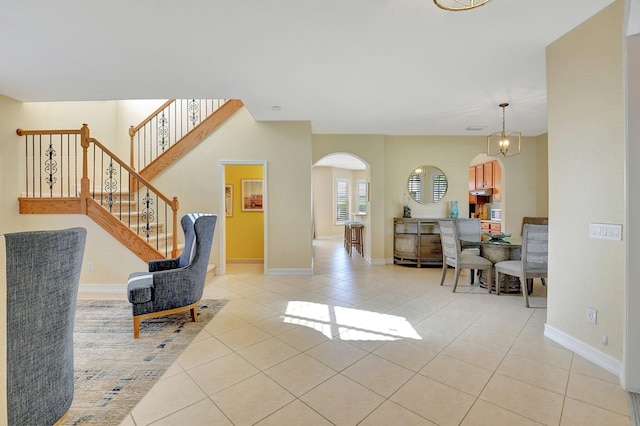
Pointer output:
631, 355
586, 181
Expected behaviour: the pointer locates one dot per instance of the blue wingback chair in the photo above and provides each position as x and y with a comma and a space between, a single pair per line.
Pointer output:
43, 274
174, 285
189, 251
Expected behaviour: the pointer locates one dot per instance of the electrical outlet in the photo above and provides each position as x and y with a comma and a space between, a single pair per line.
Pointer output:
592, 315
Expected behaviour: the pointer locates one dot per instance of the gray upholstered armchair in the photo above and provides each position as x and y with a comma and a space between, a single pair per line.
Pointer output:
43, 273
174, 285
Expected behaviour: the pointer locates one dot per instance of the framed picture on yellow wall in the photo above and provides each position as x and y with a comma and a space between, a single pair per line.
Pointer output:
228, 200
252, 195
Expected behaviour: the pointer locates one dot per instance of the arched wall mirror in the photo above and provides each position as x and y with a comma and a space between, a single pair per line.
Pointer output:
427, 184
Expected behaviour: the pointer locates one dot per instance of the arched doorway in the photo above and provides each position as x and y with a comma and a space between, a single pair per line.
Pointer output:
340, 192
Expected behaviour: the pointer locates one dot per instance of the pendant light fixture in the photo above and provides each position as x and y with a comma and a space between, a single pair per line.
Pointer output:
499, 143
458, 5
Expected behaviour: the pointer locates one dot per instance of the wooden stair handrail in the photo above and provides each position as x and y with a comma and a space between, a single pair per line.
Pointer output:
85, 204
135, 174
134, 129
191, 139
22, 132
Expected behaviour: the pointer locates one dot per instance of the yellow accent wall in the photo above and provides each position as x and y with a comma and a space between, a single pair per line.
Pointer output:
245, 229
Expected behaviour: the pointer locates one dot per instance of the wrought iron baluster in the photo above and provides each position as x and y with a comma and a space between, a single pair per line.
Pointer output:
147, 214
50, 166
111, 185
163, 132
194, 111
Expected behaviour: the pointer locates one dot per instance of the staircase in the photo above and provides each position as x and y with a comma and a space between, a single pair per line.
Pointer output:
69, 172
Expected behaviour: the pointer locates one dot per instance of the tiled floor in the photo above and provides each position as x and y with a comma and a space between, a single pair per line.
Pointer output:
375, 345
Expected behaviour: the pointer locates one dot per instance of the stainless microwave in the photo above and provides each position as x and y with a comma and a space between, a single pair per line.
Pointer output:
496, 214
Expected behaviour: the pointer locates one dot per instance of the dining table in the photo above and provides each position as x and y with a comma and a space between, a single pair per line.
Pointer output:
496, 250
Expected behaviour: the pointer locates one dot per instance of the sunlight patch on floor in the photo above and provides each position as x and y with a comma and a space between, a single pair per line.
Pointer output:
349, 323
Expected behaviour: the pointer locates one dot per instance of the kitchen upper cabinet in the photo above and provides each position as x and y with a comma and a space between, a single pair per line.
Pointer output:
472, 178
497, 182
481, 176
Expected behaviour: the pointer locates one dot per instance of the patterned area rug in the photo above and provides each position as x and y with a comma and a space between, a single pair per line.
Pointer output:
113, 371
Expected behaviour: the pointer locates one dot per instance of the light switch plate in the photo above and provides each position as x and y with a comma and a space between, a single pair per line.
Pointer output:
605, 231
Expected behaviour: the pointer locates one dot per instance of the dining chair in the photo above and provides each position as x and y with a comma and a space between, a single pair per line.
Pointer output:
469, 234
535, 221
456, 258
533, 262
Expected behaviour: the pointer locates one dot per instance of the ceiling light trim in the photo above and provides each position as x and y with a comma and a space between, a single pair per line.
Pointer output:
459, 5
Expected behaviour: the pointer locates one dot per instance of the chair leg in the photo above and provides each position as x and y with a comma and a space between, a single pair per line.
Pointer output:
473, 276
194, 314
497, 282
455, 279
525, 293
444, 271
136, 327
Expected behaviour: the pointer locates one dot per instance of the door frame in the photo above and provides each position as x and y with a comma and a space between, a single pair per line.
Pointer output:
223, 219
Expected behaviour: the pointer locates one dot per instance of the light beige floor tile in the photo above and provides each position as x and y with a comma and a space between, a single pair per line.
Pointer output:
524, 399
582, 366
252, 400
242, 337
198, 353
537, 373
485, 414
469, 331
489, 338
268, 353
304, 338
406, 354
342, 401
539, 347
434, 401
203, 413
443, 325
458, 374
473, 353
166, 397
336, 354
598, 392
433, 340
224, 323
221, 373
300, 374
275, 325
378, 374
296, 413
391, 413
578, 413
173, 369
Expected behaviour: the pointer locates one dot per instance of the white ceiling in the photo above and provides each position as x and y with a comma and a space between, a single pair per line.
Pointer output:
395, 67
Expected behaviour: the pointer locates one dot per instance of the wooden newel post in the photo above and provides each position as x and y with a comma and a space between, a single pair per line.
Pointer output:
132, 133
174, 206
84, 181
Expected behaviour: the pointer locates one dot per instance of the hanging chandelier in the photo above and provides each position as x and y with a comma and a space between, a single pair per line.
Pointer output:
498, 143
457, 5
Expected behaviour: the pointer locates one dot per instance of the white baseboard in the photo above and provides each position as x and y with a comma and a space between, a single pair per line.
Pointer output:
590, 353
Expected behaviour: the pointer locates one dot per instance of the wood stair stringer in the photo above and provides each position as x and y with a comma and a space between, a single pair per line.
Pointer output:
191, 139
121, 232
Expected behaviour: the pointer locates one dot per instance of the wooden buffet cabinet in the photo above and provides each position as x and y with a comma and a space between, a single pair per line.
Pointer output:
416, 241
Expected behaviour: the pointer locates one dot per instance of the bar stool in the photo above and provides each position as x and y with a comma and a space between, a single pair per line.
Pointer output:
355, 238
